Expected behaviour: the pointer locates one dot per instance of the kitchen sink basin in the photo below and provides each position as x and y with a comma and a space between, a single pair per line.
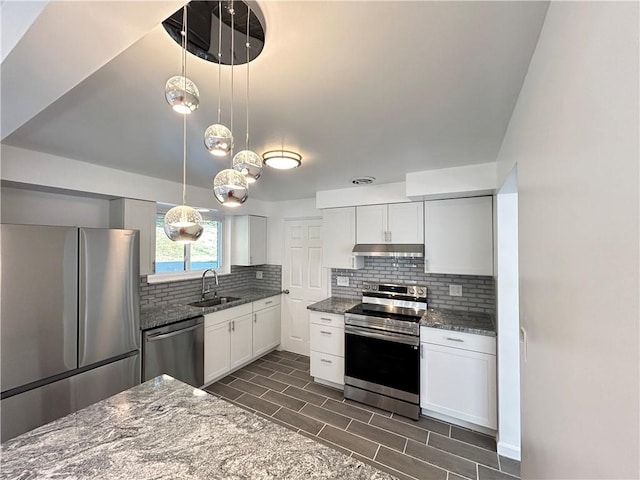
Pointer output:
212, 302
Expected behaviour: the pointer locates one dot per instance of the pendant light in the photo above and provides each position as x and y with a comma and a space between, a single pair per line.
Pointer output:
247, 162
217, 138
230, 187
183, 224
180, 92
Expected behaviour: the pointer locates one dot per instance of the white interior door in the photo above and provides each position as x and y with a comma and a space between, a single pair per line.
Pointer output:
305, 279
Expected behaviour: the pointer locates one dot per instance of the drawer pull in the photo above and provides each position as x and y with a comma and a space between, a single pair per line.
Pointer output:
326, 333
326, 319
455, 339
269, 302
324, 360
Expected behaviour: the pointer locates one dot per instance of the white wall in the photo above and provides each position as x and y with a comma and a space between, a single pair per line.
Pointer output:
508, 318
43, 208
574, 137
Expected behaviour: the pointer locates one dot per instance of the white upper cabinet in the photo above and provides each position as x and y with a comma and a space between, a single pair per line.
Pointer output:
339, 237
458, 236
137, 215
249, 240
392, 223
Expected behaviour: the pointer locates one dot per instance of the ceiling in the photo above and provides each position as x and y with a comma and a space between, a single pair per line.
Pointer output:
358, 88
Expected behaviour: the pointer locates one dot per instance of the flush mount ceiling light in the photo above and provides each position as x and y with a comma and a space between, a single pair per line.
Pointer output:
282, 159
247, 162
180, 92
183, 224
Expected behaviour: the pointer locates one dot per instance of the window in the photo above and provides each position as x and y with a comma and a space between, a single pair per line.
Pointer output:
205, 253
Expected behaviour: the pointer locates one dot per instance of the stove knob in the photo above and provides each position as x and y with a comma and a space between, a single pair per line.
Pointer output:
411, 291
421, 291
374, 287
365, 287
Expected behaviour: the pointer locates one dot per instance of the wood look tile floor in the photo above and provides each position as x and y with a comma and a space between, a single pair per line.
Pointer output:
279, 387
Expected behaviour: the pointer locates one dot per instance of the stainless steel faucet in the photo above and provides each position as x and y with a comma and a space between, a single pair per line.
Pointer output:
215, 276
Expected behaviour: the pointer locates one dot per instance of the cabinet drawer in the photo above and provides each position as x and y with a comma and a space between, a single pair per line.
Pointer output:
327, 339
327, 367
227, 314
266, 303
462, 340
330, 319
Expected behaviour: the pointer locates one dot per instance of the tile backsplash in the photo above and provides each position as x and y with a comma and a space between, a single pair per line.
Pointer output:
478, 292
186, 291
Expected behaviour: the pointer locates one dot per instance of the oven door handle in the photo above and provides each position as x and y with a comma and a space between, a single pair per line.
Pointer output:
391, 337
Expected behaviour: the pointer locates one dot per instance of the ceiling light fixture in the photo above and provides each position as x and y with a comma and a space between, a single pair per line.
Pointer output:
282, 159
183, 224
230, 187
248, 162
217, 138
180, 92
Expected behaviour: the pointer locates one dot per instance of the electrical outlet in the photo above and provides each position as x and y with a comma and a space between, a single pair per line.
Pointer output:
259, 275
455, 290
343, 281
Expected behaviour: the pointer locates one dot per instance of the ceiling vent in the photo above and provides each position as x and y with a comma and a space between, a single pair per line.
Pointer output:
363, 180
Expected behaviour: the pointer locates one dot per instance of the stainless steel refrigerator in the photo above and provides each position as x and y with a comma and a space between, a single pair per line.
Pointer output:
69, 324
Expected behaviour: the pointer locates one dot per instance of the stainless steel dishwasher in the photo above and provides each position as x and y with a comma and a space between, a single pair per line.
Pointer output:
177, 350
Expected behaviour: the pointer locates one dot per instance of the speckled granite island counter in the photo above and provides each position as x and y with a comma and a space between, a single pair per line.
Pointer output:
460, 321
334, 305
166, 314
165, 429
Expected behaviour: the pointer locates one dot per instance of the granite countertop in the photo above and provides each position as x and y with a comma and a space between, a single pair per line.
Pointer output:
460, 321
175, 312
165, 429
334, 305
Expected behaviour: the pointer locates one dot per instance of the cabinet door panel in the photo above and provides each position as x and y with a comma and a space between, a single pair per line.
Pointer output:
339, 237
459, 383
459, 236
216, 351
327, 367
371, 221
406, 223
257, 240
241, 340
266, 330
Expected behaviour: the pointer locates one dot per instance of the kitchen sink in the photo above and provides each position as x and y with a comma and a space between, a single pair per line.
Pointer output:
212, 302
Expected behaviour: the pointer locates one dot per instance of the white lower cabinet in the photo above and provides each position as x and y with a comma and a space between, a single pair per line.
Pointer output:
458, 376
266, 325
236, 336
327, 347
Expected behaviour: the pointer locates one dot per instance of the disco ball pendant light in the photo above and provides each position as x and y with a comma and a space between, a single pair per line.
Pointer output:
183, 224
218, 139
246, 162
230, 187
180, 92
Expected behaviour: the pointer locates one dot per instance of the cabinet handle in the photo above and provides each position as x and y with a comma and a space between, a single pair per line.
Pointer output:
255, 318
324, 360
455, 339
326, 319
269, 302
229, 327
326, 333
233, 325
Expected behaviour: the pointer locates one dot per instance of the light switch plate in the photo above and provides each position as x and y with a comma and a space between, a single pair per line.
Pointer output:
259, 275
343, 281
455, 290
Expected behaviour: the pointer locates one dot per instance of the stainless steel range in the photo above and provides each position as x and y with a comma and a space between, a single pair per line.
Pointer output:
382, 347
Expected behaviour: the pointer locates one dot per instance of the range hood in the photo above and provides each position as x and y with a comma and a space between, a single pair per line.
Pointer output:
406, 250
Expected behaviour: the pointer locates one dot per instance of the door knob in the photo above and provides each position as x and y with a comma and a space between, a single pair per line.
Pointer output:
286, 292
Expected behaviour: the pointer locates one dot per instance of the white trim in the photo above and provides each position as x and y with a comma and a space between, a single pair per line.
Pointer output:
180, 276
509, 451
457, 421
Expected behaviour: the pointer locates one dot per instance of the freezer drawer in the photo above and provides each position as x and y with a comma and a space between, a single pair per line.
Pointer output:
39, 327
177, 350
31, 409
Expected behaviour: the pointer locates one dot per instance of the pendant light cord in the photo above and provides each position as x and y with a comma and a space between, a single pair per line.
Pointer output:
184, 117
233, 15
219, 55
247, 44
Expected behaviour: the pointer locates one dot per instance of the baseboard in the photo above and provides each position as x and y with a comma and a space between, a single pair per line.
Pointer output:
328, 383
509, 451
457, 421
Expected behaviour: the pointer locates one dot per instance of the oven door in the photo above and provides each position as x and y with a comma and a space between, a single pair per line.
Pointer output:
383, 362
